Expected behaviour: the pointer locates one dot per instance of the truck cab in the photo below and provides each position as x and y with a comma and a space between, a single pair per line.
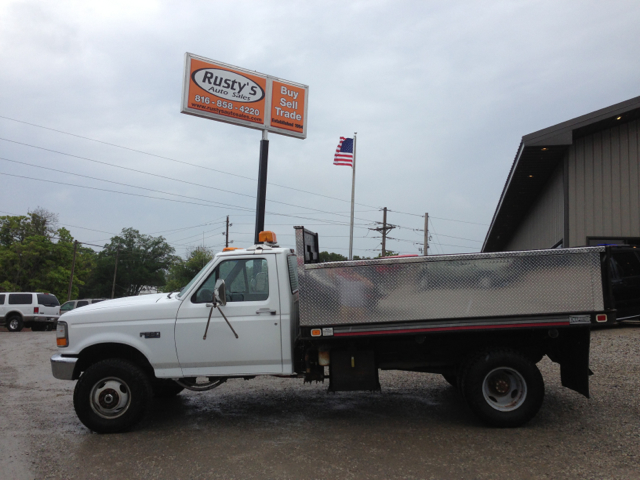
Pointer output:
168, 329
258, 333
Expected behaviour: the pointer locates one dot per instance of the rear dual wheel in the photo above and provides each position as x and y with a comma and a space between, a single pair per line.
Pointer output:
503, 388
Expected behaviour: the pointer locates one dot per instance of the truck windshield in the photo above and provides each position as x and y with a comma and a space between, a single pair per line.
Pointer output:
194, 279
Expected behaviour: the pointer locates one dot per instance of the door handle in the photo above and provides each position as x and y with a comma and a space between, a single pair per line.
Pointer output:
265, 310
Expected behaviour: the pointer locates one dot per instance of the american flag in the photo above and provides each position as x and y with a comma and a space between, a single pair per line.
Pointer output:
344, 152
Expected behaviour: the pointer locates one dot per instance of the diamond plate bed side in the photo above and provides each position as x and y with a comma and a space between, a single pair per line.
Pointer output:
449, 286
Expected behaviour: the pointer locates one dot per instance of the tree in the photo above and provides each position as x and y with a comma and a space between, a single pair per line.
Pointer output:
142, 260
36, 256
336, 257
182, 271
331, 257
15, 229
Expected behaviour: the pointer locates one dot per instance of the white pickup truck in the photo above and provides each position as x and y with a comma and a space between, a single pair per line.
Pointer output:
482, 321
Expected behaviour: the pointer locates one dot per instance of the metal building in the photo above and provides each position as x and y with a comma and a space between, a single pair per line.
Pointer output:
573, 184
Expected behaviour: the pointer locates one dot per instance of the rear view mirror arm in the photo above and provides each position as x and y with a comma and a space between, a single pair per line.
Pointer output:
214, 305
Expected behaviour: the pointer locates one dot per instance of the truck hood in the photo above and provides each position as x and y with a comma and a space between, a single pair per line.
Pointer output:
144, 307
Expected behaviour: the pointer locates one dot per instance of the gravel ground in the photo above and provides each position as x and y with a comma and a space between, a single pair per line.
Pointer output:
418, 427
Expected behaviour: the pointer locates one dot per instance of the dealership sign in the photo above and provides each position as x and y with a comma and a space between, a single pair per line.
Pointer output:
231, 94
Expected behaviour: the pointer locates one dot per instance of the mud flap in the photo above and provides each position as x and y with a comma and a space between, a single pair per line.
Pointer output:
353, 370
571, 351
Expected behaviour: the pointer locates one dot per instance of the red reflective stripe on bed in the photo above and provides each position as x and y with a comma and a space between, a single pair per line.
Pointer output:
445, 329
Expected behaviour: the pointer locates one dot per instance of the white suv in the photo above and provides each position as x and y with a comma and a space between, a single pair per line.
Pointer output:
39, 311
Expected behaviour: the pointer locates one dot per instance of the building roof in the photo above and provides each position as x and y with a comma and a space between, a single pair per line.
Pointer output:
538, 155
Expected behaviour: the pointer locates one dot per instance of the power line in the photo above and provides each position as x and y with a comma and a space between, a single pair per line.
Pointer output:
100, 162
218, 204
104, 180
222, 171
440, 218
180, 161
185, 228
112, 191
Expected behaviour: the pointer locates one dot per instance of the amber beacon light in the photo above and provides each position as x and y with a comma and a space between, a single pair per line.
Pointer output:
267, 237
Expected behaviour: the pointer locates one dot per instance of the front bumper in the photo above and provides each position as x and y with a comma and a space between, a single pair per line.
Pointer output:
63, 367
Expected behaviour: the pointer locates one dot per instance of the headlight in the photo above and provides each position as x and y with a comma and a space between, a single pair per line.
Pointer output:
62, 334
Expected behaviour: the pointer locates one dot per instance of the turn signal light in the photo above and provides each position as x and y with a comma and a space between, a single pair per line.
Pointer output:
601, 318
36, 309
316, 332
62, 334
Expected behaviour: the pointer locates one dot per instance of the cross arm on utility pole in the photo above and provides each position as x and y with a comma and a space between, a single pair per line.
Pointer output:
384, 230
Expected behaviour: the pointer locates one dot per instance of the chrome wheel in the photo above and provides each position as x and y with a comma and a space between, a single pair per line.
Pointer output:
504, 389
110, 398
14, 323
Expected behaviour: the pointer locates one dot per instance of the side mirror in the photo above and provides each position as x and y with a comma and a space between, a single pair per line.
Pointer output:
220, 292
219, 298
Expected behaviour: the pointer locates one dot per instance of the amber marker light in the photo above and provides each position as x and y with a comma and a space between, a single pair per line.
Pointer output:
619, 118
316, 332
545, 149
62, 335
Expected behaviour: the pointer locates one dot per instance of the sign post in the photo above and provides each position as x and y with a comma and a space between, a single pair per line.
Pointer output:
235, 95
261, 198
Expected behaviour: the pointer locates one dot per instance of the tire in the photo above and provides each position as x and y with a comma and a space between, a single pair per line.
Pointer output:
164, 388
503, 388
451, 379
111, 396
15, 323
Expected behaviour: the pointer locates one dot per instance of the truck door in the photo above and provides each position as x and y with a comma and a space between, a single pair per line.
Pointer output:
253, 309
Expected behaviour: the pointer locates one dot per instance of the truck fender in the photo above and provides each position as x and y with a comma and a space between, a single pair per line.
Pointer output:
102, 351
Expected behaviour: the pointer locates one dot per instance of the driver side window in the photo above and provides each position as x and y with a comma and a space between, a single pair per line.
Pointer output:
247, 280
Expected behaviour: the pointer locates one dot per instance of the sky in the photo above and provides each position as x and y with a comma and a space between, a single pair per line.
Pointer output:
440, 94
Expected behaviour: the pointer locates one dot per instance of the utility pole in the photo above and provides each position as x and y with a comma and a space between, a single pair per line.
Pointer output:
115, 271
426, 234
226, 235
73, 267
384, 230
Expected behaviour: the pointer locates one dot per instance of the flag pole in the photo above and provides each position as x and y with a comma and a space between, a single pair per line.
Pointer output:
353, 196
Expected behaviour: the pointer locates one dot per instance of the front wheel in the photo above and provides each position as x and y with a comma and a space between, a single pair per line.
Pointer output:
15, 323
503, 388
111, 396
